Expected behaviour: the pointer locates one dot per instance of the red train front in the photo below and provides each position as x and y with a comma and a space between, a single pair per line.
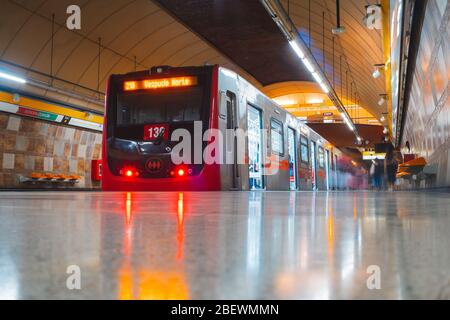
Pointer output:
142, 111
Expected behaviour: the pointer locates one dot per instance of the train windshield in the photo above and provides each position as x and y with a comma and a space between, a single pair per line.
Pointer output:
160, 106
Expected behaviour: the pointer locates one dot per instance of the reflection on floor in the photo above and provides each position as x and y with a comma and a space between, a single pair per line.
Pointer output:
240, 245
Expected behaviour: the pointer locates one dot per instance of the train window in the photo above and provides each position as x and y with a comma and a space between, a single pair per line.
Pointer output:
231, 110
276, 137
304, 152
321, 157
138, 108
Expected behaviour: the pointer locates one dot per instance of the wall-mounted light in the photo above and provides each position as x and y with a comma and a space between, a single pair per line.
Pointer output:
16, 98
382, 99
376, 74
88, 115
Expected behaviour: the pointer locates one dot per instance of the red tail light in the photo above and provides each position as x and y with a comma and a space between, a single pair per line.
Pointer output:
181, 171
129, 172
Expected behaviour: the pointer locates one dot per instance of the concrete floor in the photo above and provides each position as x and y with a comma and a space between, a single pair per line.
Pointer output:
228, 245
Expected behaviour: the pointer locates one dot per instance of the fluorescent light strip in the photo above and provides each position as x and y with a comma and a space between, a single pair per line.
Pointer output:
324, 87
12, 78
308, 65
317, 77
348, 123
297, 49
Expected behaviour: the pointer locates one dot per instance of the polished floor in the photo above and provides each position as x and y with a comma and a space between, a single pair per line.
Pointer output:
225, 245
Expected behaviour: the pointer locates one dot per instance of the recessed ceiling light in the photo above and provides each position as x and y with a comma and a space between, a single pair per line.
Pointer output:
314, 101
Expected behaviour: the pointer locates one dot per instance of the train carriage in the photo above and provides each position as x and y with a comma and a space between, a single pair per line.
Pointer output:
144, 110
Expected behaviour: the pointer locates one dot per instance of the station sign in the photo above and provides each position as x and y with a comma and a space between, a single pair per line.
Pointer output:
372, 155
37, 114
49, 116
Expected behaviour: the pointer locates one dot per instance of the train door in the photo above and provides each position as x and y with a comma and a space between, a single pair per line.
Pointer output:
292, 150
327, 169
313, 166
255, 148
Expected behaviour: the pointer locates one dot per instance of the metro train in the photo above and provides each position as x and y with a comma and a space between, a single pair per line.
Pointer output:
143, 110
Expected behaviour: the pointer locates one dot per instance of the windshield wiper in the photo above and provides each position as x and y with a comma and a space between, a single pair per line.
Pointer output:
159, 138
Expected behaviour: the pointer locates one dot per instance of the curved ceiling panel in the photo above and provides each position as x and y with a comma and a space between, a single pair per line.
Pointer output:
140, 34
132, 34
358, 47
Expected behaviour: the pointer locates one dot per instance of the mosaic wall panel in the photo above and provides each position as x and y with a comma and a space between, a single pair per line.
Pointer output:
427, 126
28, 145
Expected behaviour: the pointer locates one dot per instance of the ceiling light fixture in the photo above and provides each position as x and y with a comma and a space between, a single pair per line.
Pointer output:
339, 29
314, 101
309, 66
11, 77
376, 74
297, 49
382, 99
298, 45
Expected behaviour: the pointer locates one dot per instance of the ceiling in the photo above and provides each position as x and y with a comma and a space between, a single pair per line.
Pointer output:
359, 47
307, 100
243, 31
143, 33
338, 134
131, 31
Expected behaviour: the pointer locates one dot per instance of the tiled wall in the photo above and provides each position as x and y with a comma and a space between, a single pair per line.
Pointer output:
28, 145
427, 126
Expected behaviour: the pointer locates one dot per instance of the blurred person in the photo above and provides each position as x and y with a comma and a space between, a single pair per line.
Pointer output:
378, 175
372, 175
391, 169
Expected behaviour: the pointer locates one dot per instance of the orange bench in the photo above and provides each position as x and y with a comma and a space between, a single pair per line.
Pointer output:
46, 176
411, 167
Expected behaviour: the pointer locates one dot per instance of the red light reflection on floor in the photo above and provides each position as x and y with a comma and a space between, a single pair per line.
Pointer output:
180, 227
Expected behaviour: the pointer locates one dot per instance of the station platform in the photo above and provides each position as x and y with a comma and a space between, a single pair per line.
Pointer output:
222, 245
